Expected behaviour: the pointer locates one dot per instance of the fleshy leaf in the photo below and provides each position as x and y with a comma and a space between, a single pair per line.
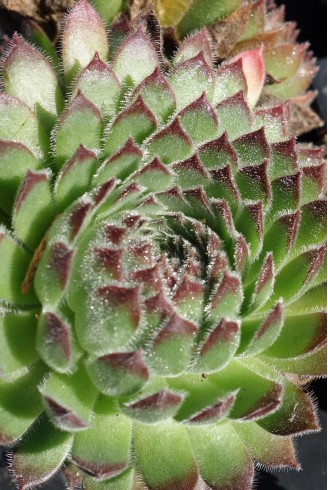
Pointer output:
29, 467
300, 334
69, 400
53, 273
136, 122
297, 408
171, 349
234, 109
254, 71
252, 148
99, 84
17, 342
15, 160
227, 469
75, 177
265, 448
118, 374
56, 342
194, 16
103, 450
28, 75
299, 273
112, 305
205, 402
29, 134
13, 266
166, 442
229, 80
157, 95
20, 404
83, 36
135, 59
192, 46
30, 221
257, 396
218, 347
218, 153
190, 79
123, 481
259, 334
121, 164
155, 176
199, 120
80, 124
155, 407
171, 143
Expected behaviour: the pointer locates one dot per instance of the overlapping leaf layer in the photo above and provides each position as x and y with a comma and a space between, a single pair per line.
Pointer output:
162, 266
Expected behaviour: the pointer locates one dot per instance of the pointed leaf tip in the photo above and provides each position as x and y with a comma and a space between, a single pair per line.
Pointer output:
254, 71
84, 34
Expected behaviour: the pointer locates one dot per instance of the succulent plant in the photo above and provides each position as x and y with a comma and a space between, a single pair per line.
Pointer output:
162, 265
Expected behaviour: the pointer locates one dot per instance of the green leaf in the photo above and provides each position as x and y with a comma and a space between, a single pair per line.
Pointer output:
12, 113
228, 468
249, 222
75, 177
299, 274
171, 349
190, 79
257, 397
136, 122
205, 402
192, 46
15, 160
252, 148
20, 403
84, 34
17, 342
170, 144
80, 124
219, 344
314, 300
103, 451
53, 273
199, 120
260, 333
286, 194
194, 17
297, 408
218, 153
158, 95
13, 267
34, 209
135, 59
99, 84
56, 341
229, 80
69, 399
283, 159
300, 334
266, 448
40, 455
118, 374
166, 442
28, 75
154, 407
234, 109
121, 482
155, 176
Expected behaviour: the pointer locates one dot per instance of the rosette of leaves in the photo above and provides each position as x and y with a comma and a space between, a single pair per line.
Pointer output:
162, 266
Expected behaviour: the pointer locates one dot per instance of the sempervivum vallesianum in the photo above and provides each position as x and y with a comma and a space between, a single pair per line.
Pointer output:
162, 279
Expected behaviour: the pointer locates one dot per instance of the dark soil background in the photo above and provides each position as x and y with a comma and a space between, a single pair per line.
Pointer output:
311, 17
